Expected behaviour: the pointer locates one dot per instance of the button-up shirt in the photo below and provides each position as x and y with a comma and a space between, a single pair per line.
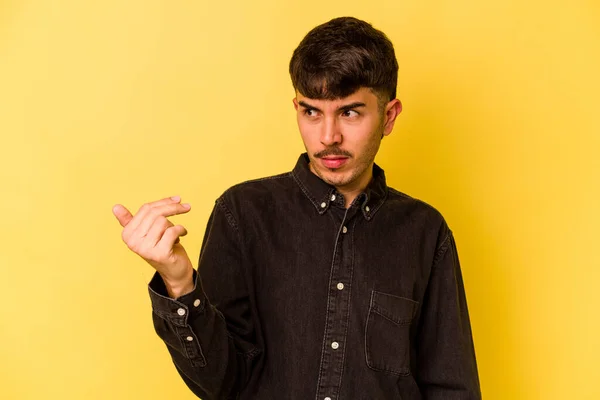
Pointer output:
298, 297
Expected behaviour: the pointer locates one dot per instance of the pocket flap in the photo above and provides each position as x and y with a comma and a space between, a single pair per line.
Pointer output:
399, 310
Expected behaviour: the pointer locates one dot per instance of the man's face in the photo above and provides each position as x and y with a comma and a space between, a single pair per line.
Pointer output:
342, 136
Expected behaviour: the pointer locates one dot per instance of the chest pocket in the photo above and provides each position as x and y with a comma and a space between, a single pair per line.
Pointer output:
387, 333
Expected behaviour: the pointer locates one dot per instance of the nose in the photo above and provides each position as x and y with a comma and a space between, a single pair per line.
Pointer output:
330, 133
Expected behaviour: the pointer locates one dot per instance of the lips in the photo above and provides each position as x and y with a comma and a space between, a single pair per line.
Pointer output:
333, 162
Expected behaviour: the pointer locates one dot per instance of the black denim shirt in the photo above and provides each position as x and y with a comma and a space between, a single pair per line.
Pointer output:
297, 297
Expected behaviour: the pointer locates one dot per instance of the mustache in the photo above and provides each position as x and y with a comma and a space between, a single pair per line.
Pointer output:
332, 151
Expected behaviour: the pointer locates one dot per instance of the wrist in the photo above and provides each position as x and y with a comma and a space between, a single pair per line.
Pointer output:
179, 287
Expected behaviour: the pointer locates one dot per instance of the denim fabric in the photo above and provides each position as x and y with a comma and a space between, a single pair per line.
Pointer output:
297, 297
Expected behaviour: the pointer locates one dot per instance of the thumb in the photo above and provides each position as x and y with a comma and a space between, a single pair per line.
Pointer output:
122, 214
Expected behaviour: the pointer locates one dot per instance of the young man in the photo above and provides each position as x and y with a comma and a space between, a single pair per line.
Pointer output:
321, 283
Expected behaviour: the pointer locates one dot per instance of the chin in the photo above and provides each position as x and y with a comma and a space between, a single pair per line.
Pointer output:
336, 178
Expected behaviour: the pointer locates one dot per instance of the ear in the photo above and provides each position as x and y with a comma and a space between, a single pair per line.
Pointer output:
295, 101
392, 110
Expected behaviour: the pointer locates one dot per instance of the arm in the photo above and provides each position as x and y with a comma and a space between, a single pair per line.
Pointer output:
446, 365
211, 333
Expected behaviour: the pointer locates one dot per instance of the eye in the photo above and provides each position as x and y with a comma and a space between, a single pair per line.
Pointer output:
350, 113
310, 112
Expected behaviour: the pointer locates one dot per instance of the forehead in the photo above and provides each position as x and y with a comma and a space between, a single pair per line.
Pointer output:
362, 95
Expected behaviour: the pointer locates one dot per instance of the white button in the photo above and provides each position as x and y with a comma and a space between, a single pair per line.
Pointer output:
327, 398
344, 230
196, 302
367, 209
189, 338
333, 197
340, 286
181, 311
335, 345
323, 205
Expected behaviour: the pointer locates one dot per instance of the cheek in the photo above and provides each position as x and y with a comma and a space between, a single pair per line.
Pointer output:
360, 135
307, 134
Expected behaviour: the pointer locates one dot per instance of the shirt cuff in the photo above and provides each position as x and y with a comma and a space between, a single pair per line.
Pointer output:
176, 310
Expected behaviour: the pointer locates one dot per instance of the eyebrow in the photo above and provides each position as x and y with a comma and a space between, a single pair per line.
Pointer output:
345, 107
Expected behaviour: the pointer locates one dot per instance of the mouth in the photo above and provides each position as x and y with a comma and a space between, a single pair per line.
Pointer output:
333, 162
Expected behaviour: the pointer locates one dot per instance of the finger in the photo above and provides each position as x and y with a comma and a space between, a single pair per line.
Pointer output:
166, 200
168, 239
157, 230
123, 215
145, 209
168, 210
155, 213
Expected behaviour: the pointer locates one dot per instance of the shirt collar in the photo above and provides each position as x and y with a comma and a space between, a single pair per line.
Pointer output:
322, 195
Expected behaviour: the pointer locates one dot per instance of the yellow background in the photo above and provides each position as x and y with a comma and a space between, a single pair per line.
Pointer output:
105, 102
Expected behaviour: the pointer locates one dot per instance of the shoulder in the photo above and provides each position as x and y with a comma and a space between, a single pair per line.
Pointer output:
259, 186
400, 205
403, 202
258, 190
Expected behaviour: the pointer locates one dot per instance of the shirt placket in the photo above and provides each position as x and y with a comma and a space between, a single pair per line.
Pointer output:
338, 311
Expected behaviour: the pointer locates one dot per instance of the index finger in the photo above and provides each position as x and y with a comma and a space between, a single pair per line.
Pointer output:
166, 200
145, 208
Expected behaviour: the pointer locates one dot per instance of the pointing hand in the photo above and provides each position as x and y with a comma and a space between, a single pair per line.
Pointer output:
153, 237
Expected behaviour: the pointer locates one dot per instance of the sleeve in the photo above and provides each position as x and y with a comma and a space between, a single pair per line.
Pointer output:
211, 334
446, 364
